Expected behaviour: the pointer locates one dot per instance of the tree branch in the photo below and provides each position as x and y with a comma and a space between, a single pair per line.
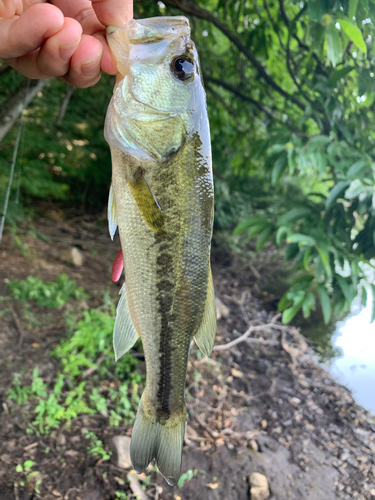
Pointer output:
193, 9
239, 94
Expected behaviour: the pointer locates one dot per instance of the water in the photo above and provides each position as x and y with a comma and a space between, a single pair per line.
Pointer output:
355, 366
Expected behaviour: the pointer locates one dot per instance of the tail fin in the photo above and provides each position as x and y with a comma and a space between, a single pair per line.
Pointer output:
151, 439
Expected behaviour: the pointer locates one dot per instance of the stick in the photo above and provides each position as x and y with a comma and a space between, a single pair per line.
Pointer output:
20, 330
248, 332
135, 486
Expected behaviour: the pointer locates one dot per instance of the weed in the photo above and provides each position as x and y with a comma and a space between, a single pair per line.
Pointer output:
51, 294
67, 399
24, 247
33, 478
95, 447
187, 476
121, 495
18, 392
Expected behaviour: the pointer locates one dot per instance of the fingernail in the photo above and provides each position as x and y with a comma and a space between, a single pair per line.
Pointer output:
66, 51
91, 67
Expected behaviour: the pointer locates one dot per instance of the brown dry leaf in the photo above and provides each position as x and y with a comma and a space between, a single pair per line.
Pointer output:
56, 493
35, 345
236, 373
213, 486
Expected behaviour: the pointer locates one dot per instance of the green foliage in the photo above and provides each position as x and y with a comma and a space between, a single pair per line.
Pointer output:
96, 447
292, 125
51, 294
67, 398
186, 477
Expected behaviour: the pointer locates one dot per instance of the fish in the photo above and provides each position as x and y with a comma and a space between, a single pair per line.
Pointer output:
162, 201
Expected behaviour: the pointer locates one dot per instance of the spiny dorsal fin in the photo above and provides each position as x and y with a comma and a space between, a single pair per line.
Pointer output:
112, 219
124, 333
205, 336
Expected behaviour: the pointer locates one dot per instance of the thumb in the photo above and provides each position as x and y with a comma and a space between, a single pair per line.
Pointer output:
113, 12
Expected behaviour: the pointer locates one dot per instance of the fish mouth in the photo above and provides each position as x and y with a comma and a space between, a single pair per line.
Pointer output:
153, 29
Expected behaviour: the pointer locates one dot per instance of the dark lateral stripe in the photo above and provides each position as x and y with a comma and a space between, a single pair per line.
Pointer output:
165, 289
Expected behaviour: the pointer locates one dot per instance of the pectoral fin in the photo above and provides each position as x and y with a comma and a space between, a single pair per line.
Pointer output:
112, 219
147, 203
124, 333
205, 337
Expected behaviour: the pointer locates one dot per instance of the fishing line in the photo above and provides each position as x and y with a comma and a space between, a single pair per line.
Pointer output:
19, 163
13, 164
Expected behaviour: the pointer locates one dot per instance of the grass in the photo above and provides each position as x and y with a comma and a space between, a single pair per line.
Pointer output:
51, 294
87, 346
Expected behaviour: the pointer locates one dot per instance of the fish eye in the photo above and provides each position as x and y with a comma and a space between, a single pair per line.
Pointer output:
182, 67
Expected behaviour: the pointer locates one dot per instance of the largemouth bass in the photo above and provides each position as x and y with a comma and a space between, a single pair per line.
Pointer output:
162, 201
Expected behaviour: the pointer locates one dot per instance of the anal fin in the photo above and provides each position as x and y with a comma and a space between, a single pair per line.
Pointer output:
205, 336
124, 333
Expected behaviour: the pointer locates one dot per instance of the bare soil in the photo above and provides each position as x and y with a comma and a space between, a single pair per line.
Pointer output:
263, 405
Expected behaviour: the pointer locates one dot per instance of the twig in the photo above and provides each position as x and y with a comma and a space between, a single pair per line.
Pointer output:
87, 373
19, 328
135, 486
70, 490
248, 332
201, 422
15, 488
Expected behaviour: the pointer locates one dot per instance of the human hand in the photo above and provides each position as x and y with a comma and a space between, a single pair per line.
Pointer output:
63, 38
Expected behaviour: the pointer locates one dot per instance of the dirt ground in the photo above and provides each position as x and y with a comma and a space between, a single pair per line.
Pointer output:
262, 405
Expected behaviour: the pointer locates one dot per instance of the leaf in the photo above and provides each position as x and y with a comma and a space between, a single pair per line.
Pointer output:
325, 261
28, 464
325, 303
346, 289
319, 140
281, 234
334, 45
284, 302
247, 223
276, 148
278, 169
355, 189
256, 230
308, 304
315, 9
364, 296
365, 82
373, 303
306, 257
352, 8
356, 168
354, 33
289, 313
303, 239
338, 74
293, 215
264, 236
291, 251
335, 192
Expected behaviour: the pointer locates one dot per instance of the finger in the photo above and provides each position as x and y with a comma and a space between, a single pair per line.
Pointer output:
82, 11
108, 64
53, 58
113, 12
85, 63
25, 33
107, 12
